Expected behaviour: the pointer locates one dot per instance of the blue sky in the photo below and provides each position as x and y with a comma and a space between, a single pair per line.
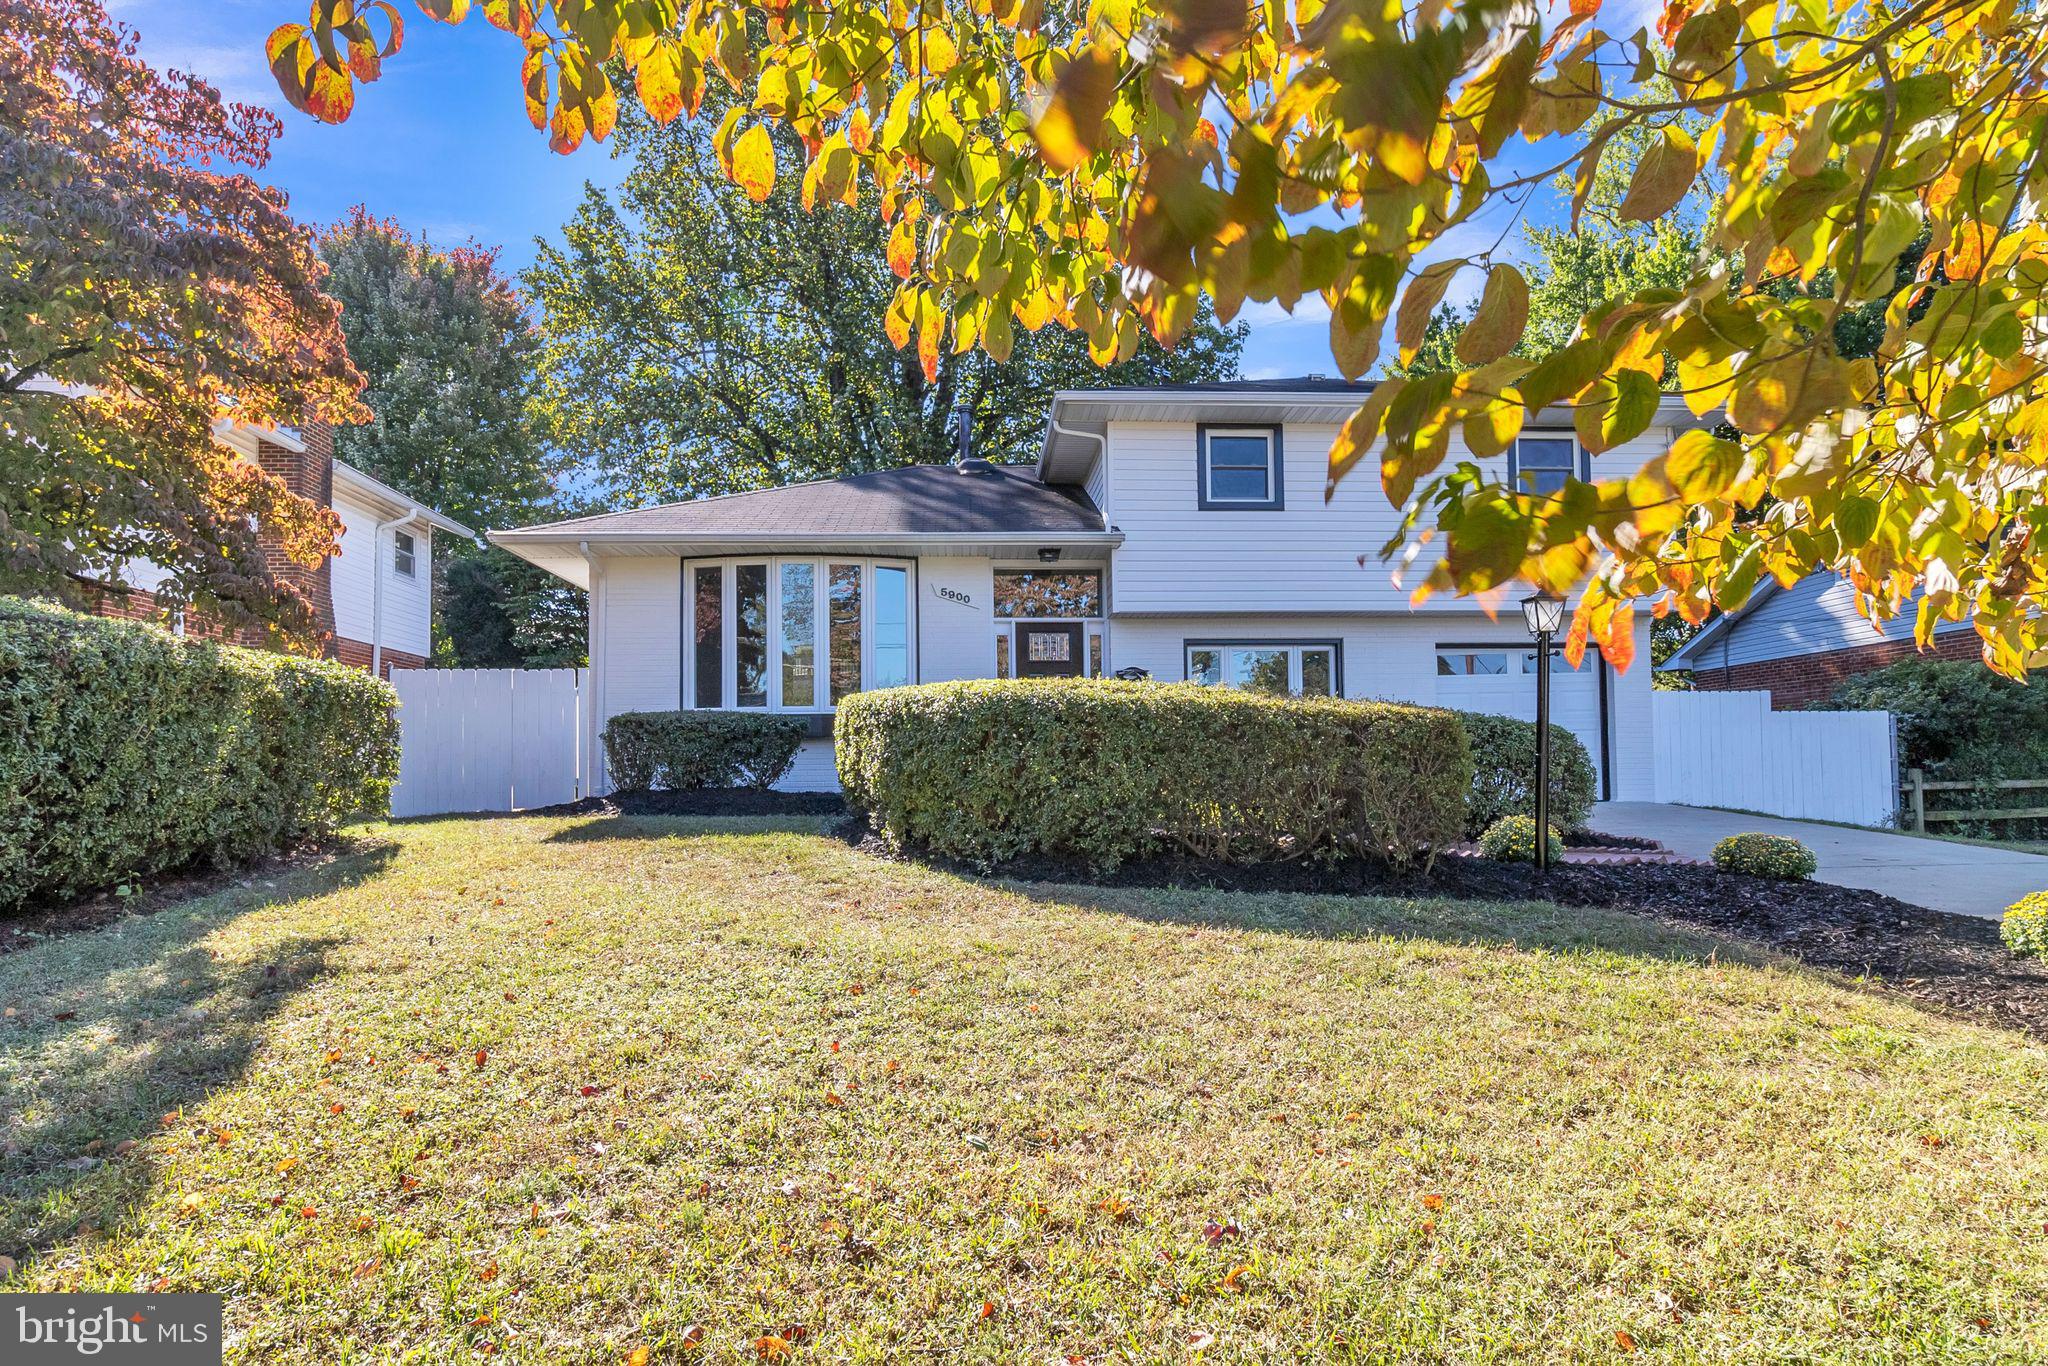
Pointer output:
442, 144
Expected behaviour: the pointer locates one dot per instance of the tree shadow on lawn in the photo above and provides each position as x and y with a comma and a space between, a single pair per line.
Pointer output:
114, 1033
1526, 925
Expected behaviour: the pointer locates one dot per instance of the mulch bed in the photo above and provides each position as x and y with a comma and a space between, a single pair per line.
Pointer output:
709, 801
1954, 963
36, 921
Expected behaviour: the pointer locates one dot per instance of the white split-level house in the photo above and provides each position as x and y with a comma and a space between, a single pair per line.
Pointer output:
1181, 531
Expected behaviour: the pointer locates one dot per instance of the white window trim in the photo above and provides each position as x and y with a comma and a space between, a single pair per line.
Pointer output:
1294, 649
1274, 496
405, 546
728, 653
1581, 465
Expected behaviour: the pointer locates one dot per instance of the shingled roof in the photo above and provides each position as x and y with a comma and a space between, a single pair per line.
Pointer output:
913, 500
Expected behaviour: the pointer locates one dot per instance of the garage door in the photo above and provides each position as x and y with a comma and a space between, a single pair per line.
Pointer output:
1501, 679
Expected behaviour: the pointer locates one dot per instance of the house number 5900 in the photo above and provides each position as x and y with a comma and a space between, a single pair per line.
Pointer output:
952, 595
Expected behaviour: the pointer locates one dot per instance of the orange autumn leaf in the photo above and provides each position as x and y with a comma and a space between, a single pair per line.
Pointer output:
481, 1057
1230, 1282
1432, 1201
1624, 1340
637, 1357
769, 1347
987, 1310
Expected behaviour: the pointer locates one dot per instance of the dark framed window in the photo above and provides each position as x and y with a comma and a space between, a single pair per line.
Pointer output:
1239, 468
708, 586
1301, 668
1540, 465
403, 549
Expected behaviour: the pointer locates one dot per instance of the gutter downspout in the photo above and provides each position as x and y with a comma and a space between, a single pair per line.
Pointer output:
377, 592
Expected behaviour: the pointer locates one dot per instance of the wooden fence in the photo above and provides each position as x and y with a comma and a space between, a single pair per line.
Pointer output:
1729, 749
486, 739
1916, 787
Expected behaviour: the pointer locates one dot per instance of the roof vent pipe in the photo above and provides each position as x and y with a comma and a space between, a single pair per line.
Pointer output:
965, 460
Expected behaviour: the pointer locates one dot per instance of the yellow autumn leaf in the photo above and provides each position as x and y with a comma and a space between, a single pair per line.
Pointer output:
753, 163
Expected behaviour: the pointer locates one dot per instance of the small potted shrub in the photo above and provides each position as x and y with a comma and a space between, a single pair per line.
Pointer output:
1512, 839
2026, 926
1754, 854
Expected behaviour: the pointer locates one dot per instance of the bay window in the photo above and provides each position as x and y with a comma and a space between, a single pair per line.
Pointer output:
791, 633
1283, 668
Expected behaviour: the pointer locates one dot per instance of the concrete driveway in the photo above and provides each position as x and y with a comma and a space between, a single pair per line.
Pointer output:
1943, 875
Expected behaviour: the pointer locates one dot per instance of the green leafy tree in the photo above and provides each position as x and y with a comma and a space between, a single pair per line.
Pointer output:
1110, 166
449, 352
699, 342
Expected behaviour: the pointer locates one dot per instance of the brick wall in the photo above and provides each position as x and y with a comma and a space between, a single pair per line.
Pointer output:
310, 474
1797, 680
359, 653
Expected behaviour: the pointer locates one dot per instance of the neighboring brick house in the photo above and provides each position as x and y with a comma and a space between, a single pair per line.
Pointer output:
375, 598
1797, 643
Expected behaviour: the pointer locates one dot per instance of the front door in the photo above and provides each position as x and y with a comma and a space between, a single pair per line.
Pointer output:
1050, 649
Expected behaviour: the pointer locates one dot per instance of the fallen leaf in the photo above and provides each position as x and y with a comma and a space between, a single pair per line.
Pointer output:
334, 1055
1201, 1340
308, 1212
364, 1223
832, 1098
987, 1311
769, 1347
1624, 1340
192, 1203
6, 1267
835, 1045
637, 1357
124, 1147
488, 1273
1432, 1201
481, 1057
1216, 1233
287, 1165
336, 1108
369, 1268
693, 1337
1230, 1282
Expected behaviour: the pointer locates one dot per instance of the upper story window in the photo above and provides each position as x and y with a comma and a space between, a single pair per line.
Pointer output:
1540, 465
402, 551
794, 634
1239, 467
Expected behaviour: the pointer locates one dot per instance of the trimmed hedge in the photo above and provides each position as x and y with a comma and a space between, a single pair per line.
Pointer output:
1106, 771
2025, 926
1760, 855
1504, 773
126, 751
1512, 839
681, 750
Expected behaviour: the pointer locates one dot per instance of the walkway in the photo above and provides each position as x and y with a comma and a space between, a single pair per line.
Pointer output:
1943, 875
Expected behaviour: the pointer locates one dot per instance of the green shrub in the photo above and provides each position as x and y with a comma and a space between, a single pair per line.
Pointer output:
691, 749
126, 751
1504, 773
1107, 771
1760, 855
1512, 839
2026, 925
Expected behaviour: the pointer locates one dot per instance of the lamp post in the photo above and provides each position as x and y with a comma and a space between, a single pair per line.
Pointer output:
1543, 613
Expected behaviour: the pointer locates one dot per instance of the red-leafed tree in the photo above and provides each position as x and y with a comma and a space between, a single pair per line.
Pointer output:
149, 288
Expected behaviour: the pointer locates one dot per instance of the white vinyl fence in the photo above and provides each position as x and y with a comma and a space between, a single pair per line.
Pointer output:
1730, 749
486, 739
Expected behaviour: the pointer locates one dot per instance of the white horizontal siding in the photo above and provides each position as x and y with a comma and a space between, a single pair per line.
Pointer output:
408, 599
955, 638
1301, 558
1815, 615
636, 644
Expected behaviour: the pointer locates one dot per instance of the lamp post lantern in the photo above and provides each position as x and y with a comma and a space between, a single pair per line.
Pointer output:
1543, 613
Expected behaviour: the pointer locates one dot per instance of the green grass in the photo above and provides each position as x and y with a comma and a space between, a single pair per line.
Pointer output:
738, 1076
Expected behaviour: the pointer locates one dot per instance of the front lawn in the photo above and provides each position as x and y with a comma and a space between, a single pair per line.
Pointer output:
560, 1089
